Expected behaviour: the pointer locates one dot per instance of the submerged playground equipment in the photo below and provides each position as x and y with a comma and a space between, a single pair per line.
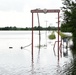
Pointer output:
45, 11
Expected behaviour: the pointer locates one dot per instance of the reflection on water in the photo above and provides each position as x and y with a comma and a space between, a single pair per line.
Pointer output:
17, 60
72, 69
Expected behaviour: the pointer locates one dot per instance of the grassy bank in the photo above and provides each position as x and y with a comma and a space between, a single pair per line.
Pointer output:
64, 35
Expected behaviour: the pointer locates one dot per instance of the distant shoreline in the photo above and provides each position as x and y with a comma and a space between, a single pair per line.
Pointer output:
28, 28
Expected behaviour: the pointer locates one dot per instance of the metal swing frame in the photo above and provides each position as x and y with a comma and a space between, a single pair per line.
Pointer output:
44, 11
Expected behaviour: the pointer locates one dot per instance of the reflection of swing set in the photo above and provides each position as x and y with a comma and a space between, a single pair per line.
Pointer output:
60, 50
43, 11
65, 52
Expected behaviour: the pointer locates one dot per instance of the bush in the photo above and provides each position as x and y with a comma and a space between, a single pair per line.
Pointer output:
52, 36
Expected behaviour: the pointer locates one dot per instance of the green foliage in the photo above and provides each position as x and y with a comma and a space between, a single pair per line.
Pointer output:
52, 36
69, 23
67, 16
64, 35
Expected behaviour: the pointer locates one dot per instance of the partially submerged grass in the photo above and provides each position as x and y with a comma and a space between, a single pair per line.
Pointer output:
52, 36
64, 35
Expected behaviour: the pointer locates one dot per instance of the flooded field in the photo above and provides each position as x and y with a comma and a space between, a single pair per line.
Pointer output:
15, 54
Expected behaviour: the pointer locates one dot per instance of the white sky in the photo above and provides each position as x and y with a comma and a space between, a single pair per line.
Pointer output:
17, 12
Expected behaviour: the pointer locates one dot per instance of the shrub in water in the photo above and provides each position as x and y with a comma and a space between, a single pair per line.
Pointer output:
52, 36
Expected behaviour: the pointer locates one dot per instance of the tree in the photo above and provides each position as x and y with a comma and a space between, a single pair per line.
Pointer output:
66, 24
69, 23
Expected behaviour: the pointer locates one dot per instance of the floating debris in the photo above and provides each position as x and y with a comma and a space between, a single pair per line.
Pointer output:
10, 47
41, 46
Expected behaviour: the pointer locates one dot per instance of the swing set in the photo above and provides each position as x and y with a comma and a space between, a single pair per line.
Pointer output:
45, 11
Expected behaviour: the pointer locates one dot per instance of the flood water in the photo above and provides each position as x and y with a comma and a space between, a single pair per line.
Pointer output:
17, 61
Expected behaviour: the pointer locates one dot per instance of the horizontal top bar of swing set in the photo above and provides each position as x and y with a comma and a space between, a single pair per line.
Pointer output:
45, 11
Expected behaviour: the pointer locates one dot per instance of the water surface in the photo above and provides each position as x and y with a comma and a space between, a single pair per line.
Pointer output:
17, 61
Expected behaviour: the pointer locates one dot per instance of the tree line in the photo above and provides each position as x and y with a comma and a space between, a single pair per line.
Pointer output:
28, 28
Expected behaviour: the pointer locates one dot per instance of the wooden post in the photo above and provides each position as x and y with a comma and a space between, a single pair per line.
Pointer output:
32, 39
39, 30
58, 36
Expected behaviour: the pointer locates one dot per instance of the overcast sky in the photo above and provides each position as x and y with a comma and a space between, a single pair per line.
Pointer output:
17, 12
